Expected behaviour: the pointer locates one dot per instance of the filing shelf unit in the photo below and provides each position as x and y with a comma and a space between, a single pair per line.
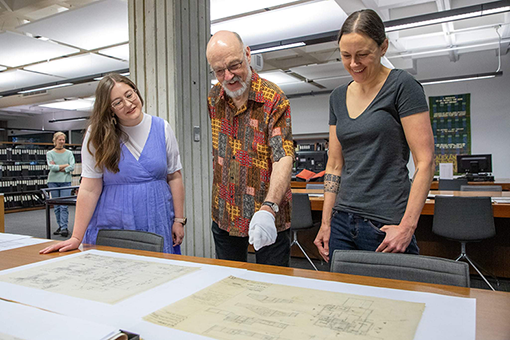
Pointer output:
25, 172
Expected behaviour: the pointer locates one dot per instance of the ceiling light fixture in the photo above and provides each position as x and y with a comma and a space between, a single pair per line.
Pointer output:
46, 88
461, 78
278, 47
62, 120
77, 104
448, 16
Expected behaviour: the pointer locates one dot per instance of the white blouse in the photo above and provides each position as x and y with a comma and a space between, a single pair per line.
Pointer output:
138, 135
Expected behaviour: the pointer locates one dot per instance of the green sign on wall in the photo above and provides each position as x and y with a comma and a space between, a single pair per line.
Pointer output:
451, 124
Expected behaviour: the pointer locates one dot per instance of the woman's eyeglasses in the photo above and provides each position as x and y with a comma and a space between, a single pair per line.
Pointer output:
118, 104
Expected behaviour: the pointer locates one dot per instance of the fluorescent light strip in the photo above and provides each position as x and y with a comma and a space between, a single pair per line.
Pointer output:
62, 120
434, 21
495, 10
448, 49
456, 80
278, 48
122, 74
46, 88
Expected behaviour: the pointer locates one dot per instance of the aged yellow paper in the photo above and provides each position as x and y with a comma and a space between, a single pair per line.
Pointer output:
99, 278
240, 309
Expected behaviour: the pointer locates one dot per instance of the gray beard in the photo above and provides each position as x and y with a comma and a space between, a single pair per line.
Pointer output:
244, 86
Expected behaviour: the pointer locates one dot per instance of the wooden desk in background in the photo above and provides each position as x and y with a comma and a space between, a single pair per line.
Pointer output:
492, 254
504, 182
492, 308
500, 209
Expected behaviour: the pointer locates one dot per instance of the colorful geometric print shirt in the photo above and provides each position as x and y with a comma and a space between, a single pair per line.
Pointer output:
246, 142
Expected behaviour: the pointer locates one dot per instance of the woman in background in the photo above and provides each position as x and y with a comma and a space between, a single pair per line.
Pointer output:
131, 171
375, 121
61, 164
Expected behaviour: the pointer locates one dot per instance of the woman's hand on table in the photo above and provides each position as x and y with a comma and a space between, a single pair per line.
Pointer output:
67, 245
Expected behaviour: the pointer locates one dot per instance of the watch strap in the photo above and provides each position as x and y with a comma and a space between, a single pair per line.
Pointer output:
181, 220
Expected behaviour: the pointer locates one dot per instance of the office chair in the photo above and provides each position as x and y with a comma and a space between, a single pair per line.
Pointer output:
314, 186
452, 184
301, 219
464, 219
400, 266
130, 239
481, 188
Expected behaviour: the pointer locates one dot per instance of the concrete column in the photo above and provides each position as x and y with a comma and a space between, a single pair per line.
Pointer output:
168, 39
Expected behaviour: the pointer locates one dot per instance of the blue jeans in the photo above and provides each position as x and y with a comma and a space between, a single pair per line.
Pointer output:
61, 212
353, 232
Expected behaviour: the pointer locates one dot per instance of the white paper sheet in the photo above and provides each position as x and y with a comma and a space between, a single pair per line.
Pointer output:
29, 323
20, 242
10, 237
126, 312
445, 317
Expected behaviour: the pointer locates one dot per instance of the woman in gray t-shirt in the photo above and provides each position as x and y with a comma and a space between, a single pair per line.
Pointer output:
375, 121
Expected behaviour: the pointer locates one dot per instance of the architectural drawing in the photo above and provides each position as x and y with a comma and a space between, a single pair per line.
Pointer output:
96, 277
240, 309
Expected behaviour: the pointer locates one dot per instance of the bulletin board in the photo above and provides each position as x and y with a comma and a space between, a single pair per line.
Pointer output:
451, 125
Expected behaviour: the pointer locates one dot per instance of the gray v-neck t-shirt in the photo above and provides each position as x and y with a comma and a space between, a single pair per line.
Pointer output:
375, 180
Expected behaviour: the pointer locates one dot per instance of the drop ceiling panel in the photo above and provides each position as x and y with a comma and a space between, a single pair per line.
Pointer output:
227, 8
25, 50
121, 52
99, 24
16, 79
279, 77
297, 21
79, 66
320, 71
301, 87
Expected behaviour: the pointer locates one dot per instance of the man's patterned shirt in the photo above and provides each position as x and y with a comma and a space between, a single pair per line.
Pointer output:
246, 142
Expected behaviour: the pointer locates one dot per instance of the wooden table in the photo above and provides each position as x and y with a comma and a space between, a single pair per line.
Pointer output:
492, 308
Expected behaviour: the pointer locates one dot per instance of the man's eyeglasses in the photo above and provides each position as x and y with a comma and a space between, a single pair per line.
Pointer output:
118, 104
232, 68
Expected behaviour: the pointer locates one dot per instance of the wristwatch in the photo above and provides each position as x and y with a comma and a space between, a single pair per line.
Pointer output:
272, 205
181, 220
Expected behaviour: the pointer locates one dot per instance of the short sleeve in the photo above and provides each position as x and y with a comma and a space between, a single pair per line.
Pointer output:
410, 98
280, 135
173, 158
332, 117
88, 161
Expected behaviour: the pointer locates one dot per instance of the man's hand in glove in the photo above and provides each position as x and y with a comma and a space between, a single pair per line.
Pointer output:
262, 229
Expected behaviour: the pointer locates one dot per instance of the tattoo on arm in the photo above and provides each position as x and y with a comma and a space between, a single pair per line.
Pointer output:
331, 183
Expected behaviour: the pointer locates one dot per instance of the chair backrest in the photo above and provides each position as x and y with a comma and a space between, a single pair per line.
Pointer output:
301, 212
400, 266
130, 239
452, 184
314, 186
463, 218
481, 188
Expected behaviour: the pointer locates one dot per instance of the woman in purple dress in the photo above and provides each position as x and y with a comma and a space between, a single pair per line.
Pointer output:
131, 171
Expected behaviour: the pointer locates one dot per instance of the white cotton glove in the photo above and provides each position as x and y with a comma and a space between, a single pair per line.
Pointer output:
262, 230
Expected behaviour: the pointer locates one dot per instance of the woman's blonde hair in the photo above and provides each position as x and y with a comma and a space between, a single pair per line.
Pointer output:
105, 133
58, 134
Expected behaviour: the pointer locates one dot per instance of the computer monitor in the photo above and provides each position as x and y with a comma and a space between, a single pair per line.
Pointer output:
311, 160
474, 164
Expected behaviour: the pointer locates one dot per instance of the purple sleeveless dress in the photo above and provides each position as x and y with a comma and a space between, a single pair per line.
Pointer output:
138, 197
